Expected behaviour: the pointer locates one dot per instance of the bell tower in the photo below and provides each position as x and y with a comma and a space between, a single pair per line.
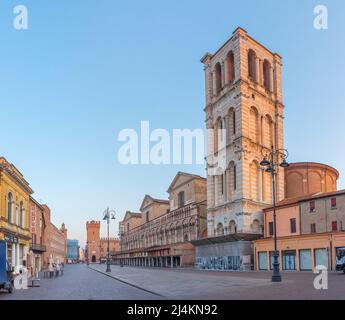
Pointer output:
93, 241
244, 118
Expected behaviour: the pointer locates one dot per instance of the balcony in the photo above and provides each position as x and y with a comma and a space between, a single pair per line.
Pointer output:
37, 247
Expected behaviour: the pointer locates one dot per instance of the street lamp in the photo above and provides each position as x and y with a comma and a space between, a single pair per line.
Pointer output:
272, 160
108, 215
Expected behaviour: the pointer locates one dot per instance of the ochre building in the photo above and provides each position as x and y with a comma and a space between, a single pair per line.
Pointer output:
14, 214
161, 234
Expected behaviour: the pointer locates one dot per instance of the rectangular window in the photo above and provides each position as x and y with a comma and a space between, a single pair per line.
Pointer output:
334, 226
263, 261
334, 203
271, 227
321, 257
305, 260
293, 225
313, 228
312, 206
223, 183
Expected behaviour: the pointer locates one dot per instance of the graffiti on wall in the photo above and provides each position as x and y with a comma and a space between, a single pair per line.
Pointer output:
232, 263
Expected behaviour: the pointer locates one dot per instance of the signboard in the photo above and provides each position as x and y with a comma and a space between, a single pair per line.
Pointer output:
10, 238
33, 219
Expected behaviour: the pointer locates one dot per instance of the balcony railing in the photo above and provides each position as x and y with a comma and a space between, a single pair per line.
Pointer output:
38, 247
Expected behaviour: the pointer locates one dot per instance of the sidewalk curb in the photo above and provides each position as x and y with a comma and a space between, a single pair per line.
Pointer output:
127, 283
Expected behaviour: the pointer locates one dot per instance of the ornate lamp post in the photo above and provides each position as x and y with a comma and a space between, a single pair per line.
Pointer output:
273, 160
108, 215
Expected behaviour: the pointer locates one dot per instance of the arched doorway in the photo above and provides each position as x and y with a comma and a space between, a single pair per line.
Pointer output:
93, 259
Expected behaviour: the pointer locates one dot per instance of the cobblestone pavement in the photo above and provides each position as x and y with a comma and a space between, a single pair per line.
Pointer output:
203, 285
80, 283
92, 283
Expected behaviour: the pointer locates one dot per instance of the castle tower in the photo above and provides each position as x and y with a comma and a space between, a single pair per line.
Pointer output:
244, 118
93, 241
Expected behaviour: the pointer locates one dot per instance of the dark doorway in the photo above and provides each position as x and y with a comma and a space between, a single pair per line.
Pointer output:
93, 259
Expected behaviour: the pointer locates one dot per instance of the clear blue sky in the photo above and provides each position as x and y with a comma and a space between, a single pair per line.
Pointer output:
86, 69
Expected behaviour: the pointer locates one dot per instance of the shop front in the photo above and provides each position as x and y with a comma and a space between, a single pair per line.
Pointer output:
16, 250
300, 253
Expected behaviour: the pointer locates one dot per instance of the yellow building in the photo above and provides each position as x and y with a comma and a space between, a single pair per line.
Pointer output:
14, 213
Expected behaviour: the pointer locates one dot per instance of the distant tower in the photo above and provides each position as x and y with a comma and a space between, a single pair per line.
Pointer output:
93, 241
64, 231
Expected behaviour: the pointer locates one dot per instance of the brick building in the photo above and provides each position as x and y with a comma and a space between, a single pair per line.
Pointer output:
54, 239
37, 230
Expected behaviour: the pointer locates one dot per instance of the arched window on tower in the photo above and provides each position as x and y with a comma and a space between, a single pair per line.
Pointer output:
230, 67
235, 177
254, 181
269, 131
254, 125
267, 75
218, 71
252, 65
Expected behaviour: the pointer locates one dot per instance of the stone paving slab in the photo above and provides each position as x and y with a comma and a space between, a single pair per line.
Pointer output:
183, 284
189, 284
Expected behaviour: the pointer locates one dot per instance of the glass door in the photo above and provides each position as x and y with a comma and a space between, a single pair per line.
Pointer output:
289, 260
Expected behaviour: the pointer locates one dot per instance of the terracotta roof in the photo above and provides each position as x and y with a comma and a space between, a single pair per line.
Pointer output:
304, 198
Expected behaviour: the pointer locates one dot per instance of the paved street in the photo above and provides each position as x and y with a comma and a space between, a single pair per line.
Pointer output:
81, 282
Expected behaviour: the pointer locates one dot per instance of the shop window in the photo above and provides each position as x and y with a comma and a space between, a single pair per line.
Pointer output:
263, 261
305, 260
289, 260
